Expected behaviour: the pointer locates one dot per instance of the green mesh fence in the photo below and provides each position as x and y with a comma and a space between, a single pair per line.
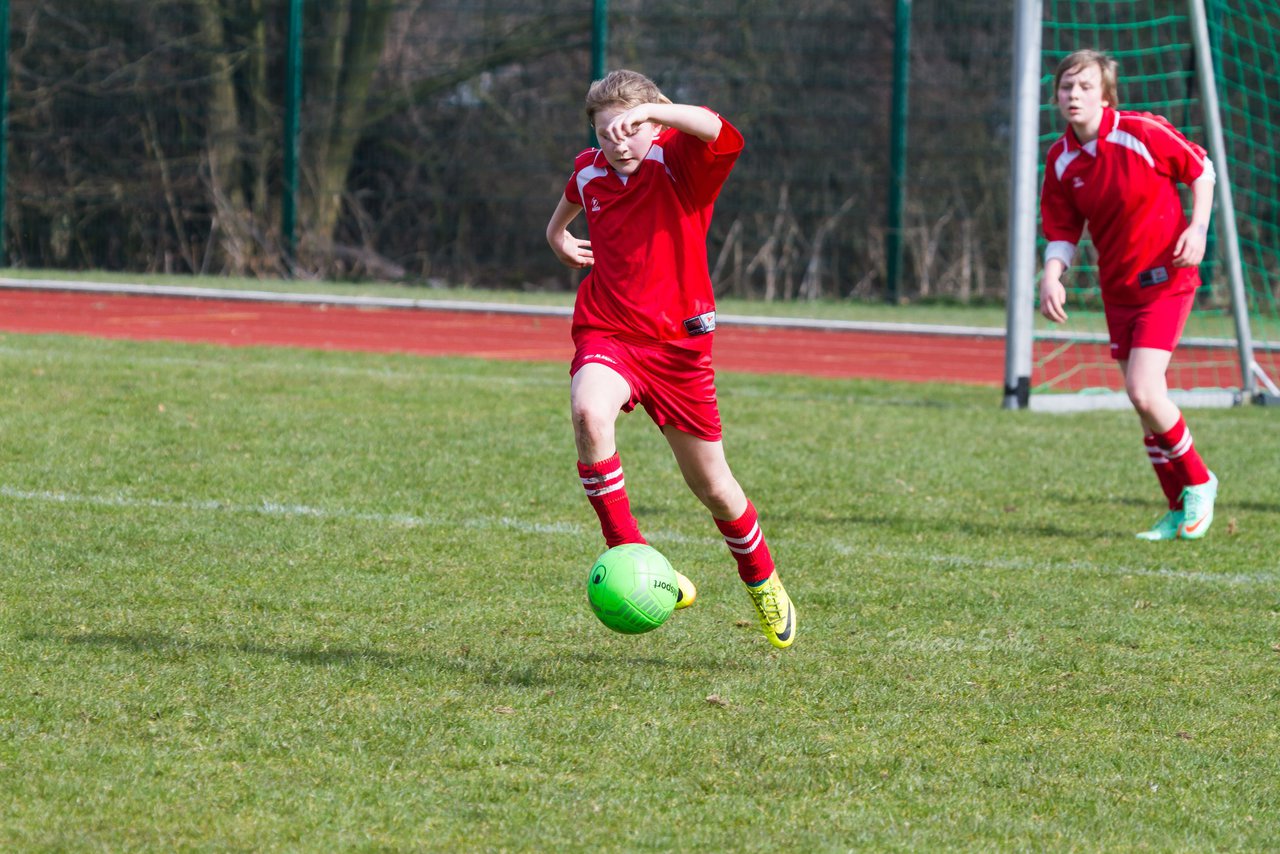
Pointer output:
436, 135
1152, 42
1246, 36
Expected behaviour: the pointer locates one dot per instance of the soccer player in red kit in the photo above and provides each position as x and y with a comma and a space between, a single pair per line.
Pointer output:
1118, 171
645, 315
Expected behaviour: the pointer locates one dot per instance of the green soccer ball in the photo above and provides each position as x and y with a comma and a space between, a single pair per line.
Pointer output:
632, 588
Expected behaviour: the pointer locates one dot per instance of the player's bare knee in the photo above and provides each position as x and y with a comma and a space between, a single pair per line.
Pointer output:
1144, 401
591, 423
584, 414
718, 496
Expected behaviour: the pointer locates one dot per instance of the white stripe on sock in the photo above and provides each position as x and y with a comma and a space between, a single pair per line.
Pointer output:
1181, 447
605, 490
746, 545
751, 535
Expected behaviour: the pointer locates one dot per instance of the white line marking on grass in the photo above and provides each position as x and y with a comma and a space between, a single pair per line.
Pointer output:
266, 508
965, 562
273, 508
276, 509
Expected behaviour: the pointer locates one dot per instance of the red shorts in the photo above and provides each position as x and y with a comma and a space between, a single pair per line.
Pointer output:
1157, 325
675, 384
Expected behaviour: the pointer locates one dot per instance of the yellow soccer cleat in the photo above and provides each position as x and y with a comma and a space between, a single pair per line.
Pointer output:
687, 592
773, 606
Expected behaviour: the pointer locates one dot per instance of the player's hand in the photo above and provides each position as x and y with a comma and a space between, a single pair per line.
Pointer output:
572, 251
626, 124
1189, 250
1053, 300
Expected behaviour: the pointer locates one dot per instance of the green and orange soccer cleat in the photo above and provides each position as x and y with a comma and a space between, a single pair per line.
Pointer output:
1197, 508
1165, 528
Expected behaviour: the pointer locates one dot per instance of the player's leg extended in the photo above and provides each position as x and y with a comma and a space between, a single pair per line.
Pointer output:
1148, 391
596, 396
1170, 483
706, 470
1166, 527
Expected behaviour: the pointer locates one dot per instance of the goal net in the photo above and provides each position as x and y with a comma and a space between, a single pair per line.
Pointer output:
1230, 350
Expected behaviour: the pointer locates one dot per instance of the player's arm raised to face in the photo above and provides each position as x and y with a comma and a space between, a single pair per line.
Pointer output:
572, 251
695, 121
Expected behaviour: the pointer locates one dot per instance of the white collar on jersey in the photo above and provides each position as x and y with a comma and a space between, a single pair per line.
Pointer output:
655, 152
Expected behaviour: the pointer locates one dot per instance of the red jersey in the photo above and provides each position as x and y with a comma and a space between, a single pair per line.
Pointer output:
1124, 184
649, 236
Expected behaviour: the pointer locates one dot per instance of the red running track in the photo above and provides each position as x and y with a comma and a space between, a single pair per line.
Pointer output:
872, 355
521, 337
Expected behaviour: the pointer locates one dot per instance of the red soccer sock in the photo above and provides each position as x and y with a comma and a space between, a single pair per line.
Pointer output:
745, 539
1169, 480
1183, 456
607, 491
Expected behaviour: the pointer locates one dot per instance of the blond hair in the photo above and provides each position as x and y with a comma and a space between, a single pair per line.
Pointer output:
1107, 67
622, 88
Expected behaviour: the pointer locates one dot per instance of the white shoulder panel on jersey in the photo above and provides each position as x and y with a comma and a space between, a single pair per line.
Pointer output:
1064, 160
587, 175
656, 153
1124, 139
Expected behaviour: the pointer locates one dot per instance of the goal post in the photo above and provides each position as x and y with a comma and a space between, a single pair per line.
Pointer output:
1210, 66
1226, 211
1022, 202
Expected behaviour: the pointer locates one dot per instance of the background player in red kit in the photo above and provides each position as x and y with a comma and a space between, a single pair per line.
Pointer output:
1118, 171
645, 314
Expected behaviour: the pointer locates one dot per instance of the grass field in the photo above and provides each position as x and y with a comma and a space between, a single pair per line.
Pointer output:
276, 600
